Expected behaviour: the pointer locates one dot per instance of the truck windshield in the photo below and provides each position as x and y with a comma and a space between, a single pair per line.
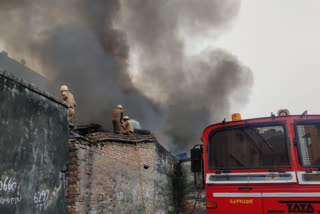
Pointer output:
248, 147
308, 138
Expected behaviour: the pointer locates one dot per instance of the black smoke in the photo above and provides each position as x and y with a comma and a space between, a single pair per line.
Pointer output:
74, 43
89, 46
193, 90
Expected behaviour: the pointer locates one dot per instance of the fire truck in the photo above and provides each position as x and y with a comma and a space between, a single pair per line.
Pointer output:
265, 165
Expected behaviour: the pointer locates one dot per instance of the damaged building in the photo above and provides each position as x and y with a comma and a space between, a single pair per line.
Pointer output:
105, 176
44, 170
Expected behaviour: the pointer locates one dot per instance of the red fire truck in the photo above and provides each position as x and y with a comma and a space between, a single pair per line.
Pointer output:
265, 165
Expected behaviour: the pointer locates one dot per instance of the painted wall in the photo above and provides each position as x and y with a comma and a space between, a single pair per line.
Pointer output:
104, 176
33, 145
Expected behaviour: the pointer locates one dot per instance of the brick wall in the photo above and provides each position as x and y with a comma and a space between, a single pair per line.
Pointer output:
103, 175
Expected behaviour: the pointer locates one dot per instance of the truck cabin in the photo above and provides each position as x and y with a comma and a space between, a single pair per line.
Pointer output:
262, 165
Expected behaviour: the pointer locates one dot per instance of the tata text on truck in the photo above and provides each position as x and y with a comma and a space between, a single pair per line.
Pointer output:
265, 165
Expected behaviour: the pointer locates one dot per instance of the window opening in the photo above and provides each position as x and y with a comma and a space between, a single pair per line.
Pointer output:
249, 147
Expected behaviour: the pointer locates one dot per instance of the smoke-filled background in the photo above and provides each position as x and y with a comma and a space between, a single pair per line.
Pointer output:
135, 53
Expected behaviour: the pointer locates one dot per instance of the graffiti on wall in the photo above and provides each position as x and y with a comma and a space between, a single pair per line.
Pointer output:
9, 192
10, 195
41, 198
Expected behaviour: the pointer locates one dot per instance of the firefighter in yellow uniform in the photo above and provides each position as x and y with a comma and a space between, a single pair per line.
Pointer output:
68, 98
128, 128
117, 115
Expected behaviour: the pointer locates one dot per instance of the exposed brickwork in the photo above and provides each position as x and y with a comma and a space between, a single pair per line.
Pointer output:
104, 177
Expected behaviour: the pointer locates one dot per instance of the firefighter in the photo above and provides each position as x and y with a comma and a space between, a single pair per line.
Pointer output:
128, 128
117, 115
68, 98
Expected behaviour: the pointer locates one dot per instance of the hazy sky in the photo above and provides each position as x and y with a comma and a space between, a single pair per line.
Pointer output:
280, 41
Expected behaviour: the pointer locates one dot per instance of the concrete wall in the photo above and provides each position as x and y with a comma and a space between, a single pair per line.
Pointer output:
164, 177
187, 191
104, 177
33, 145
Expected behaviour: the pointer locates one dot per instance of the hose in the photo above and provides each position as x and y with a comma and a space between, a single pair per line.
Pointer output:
141, 191
140, 179
195, 203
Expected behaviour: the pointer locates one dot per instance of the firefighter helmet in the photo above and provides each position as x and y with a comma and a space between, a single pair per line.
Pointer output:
64, 88
119, 106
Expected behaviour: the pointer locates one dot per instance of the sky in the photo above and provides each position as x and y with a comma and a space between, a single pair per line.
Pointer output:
279, 40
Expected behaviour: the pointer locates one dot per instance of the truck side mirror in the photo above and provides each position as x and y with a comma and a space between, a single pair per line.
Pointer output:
196, 159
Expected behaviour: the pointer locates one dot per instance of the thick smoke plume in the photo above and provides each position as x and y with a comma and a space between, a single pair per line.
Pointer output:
194, 90
90, 45
73, 42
